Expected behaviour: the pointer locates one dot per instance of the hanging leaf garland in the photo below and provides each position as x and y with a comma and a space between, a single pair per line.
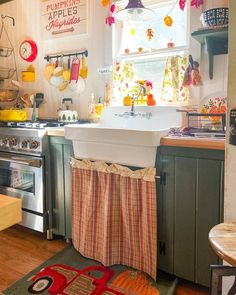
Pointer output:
194, 3
168, 21
182, 4
110, 20
150, 34
105, 2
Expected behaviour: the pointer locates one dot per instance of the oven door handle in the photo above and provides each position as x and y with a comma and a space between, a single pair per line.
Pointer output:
32, 163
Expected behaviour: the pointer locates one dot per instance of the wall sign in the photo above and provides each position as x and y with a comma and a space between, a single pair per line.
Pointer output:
64, 18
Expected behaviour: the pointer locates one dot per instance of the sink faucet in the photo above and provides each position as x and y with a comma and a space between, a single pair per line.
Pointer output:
142, 88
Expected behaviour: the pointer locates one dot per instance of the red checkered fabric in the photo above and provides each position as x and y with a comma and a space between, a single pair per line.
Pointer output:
114, 218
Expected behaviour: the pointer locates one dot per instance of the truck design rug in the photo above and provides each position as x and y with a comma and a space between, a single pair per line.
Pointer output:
68, 272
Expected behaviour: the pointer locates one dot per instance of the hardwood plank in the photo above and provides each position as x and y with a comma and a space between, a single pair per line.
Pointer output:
186, 288
22, 249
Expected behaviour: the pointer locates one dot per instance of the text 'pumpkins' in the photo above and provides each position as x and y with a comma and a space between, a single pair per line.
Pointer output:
136, 282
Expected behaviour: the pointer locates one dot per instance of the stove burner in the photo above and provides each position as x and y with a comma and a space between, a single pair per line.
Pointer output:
32, 125
38, 124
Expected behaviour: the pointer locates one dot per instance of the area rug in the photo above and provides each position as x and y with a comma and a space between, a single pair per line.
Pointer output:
69, 258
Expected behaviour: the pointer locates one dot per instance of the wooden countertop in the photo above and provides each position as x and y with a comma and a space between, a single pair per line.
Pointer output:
203, 143
222, 238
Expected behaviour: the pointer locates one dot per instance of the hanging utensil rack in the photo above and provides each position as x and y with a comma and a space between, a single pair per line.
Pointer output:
8, 95
57, 56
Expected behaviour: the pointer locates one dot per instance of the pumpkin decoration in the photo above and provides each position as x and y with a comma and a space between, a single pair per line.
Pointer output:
168, 21
150, 100
135, 282
127, 100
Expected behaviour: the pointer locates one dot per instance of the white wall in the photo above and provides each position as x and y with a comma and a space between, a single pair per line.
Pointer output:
28, 25
98, 42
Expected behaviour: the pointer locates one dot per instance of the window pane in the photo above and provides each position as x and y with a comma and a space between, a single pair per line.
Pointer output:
134, 34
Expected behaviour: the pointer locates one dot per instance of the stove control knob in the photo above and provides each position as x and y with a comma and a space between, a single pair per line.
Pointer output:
34, 144
12, 142
24, 144
5, 140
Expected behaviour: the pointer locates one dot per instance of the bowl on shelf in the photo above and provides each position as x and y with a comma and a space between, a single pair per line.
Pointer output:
8, 95
215, 17
5, 51
6, 73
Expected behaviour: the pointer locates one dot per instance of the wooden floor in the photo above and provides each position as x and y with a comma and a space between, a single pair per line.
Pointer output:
21, 250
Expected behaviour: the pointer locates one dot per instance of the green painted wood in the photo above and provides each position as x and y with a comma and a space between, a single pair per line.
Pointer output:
68, 153
165, 201
61, 151
200, 35
195, 186
184, 234
208, 202
216, 41
192, 152
57, 179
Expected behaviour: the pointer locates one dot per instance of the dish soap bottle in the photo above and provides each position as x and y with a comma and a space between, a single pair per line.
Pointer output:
99, 107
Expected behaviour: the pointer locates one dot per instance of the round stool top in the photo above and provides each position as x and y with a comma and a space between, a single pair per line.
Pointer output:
222, 238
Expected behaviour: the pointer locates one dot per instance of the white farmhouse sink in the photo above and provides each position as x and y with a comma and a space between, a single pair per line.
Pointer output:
128, 140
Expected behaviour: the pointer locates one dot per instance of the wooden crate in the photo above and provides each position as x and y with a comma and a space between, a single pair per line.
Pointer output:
10, 211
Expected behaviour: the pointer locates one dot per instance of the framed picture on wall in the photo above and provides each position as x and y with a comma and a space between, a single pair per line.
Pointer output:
64, 18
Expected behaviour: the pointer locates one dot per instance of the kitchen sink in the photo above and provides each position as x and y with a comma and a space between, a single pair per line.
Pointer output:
123, 138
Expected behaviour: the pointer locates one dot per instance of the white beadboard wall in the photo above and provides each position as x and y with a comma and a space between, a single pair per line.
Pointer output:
28, 25
98, 42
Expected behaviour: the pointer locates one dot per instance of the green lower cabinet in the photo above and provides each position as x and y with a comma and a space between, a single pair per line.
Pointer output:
61, 151
190, 203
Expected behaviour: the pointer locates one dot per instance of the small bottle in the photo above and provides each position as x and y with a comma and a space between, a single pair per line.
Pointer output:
99, 107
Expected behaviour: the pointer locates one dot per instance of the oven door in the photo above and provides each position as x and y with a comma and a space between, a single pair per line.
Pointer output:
23, 177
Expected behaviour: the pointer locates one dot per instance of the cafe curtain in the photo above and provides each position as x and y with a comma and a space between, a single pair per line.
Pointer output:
114, 214
173, 89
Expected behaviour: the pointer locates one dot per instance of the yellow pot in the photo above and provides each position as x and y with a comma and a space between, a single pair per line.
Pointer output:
28, 76
13, 115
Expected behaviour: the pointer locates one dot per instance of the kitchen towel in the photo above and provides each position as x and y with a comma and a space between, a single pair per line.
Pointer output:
114, 214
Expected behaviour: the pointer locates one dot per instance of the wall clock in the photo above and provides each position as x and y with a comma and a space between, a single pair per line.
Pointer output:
28, 50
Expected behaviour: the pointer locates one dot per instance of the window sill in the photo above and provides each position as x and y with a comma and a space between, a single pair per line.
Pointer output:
154, 54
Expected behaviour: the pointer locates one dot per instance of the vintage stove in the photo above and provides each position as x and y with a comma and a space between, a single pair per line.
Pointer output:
24, 170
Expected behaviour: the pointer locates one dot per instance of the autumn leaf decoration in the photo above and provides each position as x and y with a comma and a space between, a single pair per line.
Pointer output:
194, 3
105, 2
110, 20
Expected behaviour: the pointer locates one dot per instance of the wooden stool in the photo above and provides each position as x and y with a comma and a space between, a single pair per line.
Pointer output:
222, 238
10, 211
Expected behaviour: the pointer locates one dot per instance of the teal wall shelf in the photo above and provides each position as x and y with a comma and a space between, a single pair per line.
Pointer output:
216, 41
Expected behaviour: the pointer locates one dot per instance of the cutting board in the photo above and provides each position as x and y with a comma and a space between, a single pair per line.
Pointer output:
10, 211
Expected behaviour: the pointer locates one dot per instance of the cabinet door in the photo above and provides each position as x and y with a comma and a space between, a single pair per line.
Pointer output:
165, 204
184, 218
57, 185
209, 196
68, 153
60, 151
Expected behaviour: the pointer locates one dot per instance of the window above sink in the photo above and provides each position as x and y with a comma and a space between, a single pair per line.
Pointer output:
142, 56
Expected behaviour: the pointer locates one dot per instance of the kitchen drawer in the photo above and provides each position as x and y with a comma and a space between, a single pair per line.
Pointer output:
10, 211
